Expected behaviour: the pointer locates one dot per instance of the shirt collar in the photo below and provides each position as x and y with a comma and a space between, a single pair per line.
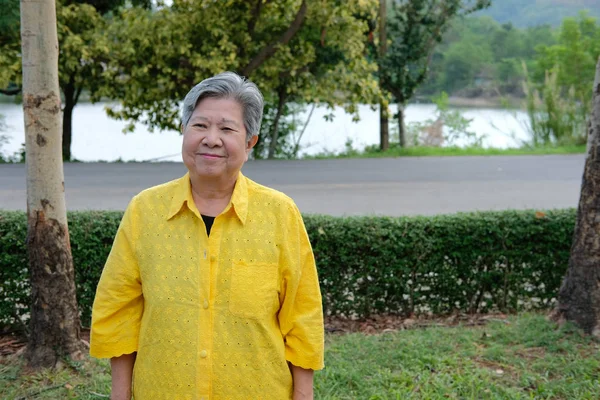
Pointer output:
182, 195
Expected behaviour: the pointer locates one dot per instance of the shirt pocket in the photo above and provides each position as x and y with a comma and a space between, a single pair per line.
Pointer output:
254, 290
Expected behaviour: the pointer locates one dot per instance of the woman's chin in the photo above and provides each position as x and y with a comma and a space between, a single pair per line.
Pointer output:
209, 172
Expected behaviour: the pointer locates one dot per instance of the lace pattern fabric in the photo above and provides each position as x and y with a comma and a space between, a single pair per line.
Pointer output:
212, 317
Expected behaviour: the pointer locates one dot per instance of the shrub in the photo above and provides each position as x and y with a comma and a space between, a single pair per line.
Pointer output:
91, 236
477, 262
472, 262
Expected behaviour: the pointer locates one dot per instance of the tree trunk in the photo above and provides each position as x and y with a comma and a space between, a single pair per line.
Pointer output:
54, 325
297, 144
579, 296
282, 96
401, 125
384, 131
10, 92
69, 92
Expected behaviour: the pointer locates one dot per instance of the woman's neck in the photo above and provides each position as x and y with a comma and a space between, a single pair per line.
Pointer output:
211, 197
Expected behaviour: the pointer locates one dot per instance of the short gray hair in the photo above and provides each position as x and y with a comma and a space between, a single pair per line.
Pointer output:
228, 85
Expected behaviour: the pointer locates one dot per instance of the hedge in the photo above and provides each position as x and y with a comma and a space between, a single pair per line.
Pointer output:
472, 262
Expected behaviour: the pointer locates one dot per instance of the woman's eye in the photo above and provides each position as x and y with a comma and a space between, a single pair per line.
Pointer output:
200, 126
226, 128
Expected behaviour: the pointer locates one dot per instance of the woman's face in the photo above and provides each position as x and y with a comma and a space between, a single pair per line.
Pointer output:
214, 140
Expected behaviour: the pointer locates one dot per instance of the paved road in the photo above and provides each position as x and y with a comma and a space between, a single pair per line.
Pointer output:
399, 186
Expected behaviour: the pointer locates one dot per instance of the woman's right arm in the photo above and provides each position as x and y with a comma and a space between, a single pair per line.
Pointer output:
121, 372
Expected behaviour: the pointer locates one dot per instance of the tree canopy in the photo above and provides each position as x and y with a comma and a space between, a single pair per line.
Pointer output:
415, 27
83, 50
148, 59
314, 49
574, 57
10, 47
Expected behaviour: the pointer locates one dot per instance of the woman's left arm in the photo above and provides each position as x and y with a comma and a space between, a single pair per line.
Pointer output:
303, 383
301, 313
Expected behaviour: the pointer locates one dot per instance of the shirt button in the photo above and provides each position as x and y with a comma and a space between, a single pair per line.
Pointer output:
203, 353
205, 304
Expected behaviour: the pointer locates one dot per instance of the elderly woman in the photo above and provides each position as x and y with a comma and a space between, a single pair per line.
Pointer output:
210, 290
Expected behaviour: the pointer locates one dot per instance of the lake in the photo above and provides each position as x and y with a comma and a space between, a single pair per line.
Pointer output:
96, 137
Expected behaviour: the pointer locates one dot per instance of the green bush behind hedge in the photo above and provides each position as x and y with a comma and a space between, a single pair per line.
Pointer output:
473, 262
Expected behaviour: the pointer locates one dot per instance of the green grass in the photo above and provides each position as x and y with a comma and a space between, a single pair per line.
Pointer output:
450, 151
89, 379
524, 357
395, 151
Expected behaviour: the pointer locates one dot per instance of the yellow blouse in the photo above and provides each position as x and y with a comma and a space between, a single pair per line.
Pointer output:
210, 317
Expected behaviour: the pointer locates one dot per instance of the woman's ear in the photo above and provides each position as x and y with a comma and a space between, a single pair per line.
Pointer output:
251, 143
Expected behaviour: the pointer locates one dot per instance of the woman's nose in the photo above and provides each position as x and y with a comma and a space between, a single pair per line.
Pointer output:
212, 137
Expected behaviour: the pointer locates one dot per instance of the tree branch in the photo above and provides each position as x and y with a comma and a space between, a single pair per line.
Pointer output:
479, 5
254, 17
251, 26
268, 51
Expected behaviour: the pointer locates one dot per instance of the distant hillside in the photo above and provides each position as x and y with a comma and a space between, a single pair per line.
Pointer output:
524, 13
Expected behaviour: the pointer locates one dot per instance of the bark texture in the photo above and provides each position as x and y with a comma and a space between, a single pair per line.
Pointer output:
55, 325
579, 296
401, 125
282, 98
69, 92
384, 132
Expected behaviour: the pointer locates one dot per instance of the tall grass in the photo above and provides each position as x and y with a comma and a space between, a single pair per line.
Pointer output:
557, 114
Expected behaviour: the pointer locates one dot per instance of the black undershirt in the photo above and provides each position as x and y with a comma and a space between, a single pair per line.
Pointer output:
208, 221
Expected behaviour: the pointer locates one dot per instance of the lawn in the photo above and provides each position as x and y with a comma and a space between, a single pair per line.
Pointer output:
421, 151
520, 357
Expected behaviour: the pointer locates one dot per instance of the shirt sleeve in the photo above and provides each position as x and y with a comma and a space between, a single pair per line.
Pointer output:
301, 312
118, 305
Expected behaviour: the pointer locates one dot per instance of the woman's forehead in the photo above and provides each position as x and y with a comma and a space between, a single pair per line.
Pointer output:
218, 103
218, 109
